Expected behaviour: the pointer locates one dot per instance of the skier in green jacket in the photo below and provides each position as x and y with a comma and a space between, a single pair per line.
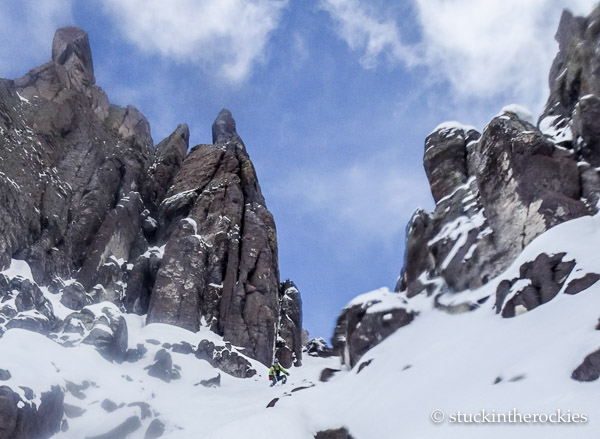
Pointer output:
275, 373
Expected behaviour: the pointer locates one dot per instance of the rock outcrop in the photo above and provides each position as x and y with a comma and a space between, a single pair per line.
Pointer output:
317, 347
220, 262
101, 215
496, 191
518, 184
24, 420
288, 348
366, 321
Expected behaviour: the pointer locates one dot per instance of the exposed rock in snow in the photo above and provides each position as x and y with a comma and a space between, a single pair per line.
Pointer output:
340, 433
288, 348
589, 370
317, 347
366, 321
23, 420
186, 238
225, 268
225, 359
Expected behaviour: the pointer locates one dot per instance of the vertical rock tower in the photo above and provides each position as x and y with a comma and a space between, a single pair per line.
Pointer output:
101, 214
220, 263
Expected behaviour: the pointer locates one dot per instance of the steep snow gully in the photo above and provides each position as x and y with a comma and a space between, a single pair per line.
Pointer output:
140, 295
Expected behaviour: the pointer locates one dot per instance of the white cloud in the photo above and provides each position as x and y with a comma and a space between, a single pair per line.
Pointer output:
483, 49
26, 32
360, 27
494, 47
226, 35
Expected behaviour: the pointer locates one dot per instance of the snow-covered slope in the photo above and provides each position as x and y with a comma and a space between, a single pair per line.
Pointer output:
475, 361
456, 363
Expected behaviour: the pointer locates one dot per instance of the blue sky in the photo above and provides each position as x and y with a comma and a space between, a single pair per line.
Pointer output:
333, 99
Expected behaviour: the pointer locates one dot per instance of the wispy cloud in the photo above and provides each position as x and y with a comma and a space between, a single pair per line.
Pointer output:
26, 32
366, 32
493, 48
227, 36
482, 49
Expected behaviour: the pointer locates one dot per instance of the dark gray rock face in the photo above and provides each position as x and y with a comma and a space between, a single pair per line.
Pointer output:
340, 433
317, 347
225, 359
539, 282
80, 157
169, 157
100, 214
27, 421
220, 262
23, 305
162, 367
223, 130
589, 369
497, 191
573, 76
357, 330
289, 339
445, 159
478, 229
105, 329
71, 49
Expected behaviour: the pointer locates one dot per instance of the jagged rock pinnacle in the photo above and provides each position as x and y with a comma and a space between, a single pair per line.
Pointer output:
223, 129
71, 49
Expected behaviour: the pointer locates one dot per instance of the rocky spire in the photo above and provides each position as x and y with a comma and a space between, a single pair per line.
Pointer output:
220, 264
71, 49
186, 238
223, 129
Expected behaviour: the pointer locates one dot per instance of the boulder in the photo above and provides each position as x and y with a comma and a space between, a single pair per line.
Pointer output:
155, 430
327, 374
212, 382
225, 359
29, 308
162, 367
317, 347
360, 328
104, 328
539, 282
340, 433
589, 369
22, 420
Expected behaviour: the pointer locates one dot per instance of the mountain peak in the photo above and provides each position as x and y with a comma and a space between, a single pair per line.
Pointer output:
71, 49
223, 129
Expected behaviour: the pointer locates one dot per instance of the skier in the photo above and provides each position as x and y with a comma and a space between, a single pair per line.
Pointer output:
275, 373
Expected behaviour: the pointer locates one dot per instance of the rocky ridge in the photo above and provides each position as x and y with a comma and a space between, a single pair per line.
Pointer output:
495, 192
101, 215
